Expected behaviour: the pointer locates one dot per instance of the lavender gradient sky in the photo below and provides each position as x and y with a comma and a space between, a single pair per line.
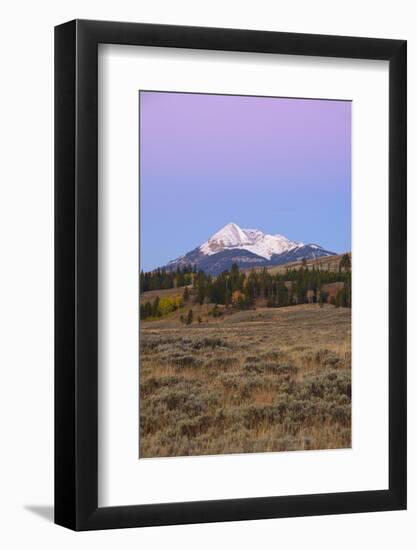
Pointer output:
275, 164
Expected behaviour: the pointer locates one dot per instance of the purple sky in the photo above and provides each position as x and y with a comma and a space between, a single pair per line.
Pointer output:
275, 164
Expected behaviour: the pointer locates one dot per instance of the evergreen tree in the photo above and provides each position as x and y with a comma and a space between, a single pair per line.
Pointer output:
282, 295
155, 307
322, 298
148, 309
201, 288
345, 263
190, 317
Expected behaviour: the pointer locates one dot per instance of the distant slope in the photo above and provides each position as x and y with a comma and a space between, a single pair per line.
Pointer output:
150, 295
328, 263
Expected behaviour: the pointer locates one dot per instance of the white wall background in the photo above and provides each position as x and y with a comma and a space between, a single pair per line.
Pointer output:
26, 272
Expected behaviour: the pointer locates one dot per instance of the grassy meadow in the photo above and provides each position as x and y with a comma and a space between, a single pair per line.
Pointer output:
241, 381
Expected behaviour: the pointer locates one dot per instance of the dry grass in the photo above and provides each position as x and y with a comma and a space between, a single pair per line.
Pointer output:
255, 381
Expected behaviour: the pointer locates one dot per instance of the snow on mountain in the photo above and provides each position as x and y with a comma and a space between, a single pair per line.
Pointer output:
233, 237
247, 248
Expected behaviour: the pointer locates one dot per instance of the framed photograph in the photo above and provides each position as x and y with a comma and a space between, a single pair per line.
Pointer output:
230, 253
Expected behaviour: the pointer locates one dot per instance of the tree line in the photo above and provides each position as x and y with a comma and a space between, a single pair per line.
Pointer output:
294, 286
239, 289
165, 278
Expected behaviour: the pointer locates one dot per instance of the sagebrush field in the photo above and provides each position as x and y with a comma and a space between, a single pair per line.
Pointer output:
258, 380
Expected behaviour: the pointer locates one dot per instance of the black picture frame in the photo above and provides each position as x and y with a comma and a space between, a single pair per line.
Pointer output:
76, 273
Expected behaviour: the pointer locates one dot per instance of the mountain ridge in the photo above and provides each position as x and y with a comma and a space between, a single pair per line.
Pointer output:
247, 248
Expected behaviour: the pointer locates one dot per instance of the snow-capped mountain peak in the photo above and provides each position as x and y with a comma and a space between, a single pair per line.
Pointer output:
233, 237
229, 236
247, 248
